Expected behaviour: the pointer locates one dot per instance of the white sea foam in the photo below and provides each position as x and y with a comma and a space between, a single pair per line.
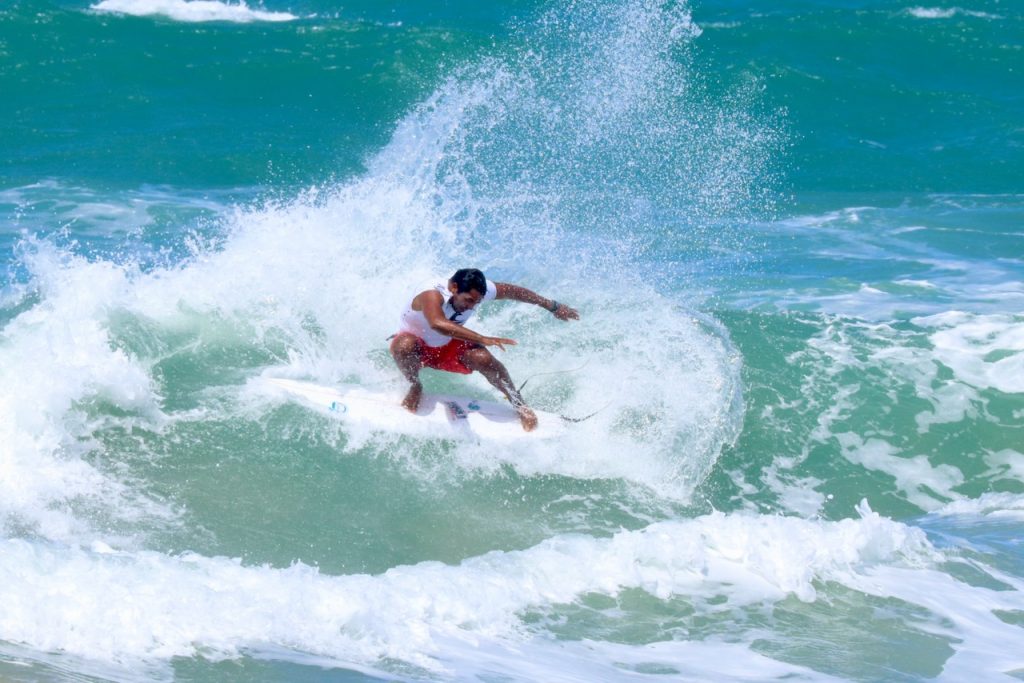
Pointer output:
795, 494
947, 13
919, 366
932, 12
714, 659
122, 607
850, 363
984, 351
192, 10
915, 283
995, 505
1006, 464
53, 357
918, 478
982, 654
463, 621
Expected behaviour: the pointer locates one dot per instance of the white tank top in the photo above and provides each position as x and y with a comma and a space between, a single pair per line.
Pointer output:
414, 322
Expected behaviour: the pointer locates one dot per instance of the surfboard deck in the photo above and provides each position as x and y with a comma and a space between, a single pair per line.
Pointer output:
439, 415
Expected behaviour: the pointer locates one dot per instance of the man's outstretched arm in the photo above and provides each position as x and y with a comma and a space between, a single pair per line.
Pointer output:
527, 296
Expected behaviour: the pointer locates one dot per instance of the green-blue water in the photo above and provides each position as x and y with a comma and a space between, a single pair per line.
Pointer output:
794, 234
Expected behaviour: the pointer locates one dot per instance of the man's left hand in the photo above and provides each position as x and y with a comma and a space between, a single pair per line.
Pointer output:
563, 312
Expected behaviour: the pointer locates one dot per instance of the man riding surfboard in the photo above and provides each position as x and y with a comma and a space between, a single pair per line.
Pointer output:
432, 334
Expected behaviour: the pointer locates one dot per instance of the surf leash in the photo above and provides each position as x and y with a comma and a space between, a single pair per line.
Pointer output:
585, 417
566, 418
552, 372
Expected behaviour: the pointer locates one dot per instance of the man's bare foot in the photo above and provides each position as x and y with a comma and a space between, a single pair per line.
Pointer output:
528, 418
411, 402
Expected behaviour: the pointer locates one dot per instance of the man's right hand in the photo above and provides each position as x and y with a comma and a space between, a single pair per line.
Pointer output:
500, 342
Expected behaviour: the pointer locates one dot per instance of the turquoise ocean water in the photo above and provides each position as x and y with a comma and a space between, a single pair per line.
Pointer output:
795, 235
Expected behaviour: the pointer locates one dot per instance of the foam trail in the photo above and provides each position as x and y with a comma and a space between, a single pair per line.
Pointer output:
192, 10
454, 188
676, 401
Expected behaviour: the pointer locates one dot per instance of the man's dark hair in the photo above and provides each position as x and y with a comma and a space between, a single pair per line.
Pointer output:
467, 279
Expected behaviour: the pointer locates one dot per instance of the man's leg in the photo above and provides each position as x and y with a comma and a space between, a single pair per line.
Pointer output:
484, 362
405, 349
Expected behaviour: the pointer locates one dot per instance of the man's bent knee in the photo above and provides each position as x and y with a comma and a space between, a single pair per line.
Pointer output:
404, 345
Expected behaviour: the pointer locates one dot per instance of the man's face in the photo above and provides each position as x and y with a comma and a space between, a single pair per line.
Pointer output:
464, 301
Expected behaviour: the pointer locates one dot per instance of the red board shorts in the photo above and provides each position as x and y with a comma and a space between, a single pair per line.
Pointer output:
445, 357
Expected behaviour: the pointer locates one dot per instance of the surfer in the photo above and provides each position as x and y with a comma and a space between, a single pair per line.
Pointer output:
432, 334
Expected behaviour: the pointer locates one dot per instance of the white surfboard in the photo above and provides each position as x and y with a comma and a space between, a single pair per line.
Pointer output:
439, 415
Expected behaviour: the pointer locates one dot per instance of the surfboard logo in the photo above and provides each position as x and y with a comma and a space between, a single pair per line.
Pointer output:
455, 411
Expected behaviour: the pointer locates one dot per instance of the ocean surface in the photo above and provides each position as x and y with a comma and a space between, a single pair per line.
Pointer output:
795, 235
